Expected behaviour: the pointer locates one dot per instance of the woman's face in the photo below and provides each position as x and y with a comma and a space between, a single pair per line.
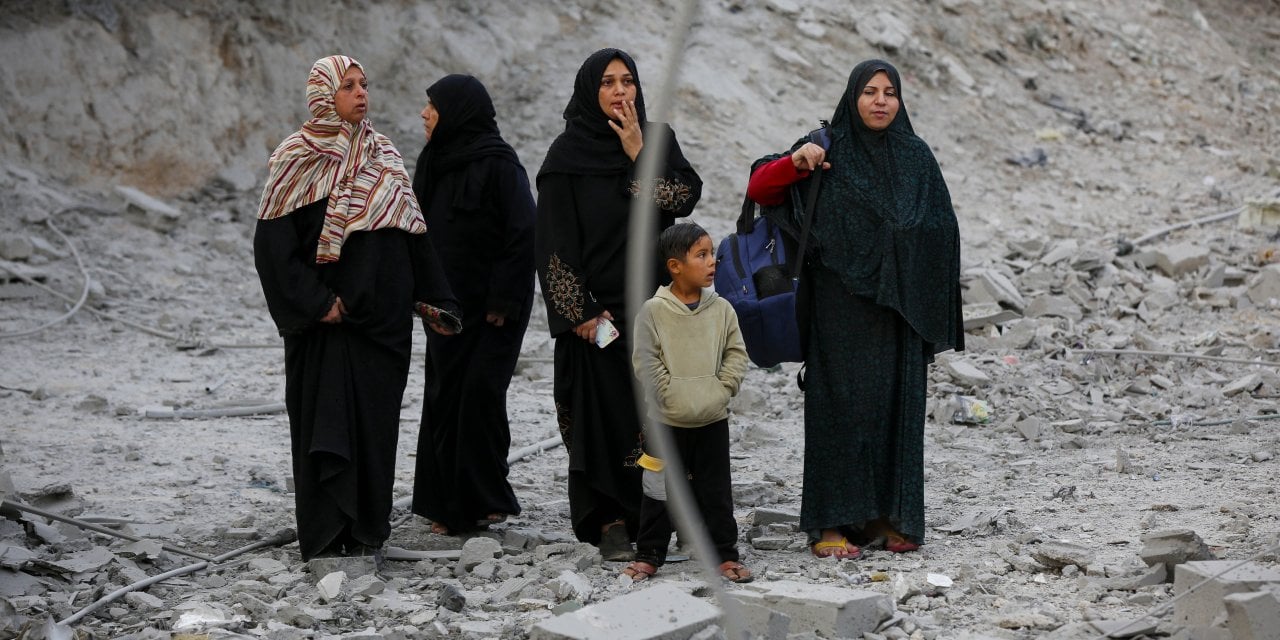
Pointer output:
616, 87
351, 101
878, 103
430, 118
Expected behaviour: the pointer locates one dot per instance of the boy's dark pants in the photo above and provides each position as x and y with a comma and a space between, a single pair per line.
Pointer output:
705, 454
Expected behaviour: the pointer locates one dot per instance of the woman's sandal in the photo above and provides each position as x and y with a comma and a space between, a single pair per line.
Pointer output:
734, 571
899, 544
493, 518
834, 549
640, 571
439, 529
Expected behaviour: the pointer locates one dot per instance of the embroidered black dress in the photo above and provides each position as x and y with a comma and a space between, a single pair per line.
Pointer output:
344, 381
585, 191
478, 205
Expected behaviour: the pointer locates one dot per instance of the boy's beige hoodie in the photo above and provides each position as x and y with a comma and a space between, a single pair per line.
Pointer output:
693, 361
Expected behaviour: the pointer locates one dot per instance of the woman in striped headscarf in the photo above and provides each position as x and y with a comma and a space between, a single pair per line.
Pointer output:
342, 253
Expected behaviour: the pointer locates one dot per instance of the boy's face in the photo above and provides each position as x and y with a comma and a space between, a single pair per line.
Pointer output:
698, 269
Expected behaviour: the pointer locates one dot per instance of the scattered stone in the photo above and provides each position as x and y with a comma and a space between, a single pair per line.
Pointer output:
148, 211
1181, 259
1247, 383
762, 516
477, 550
1264, 288
330, 586
1061, 554
143, 601
883, 29
984, 314
827, 611
451, 598
13, 247
571, 586
1173, 546
1054, 306
965, 374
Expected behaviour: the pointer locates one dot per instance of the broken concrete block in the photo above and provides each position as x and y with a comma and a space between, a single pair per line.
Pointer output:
761, 516
1253, 616
827, 611
1054, 306
451, 598
965, 374
757, 618
1173, 546
510, 589
989, 285
571, 586
143, 601
16, 248
659, 612
353, 566
477, 550
1265, 286
1247, 383
1061, 554
1181, 259
976, 316
1204, 607
330, 586
149, 211
1260, 214
1062, 250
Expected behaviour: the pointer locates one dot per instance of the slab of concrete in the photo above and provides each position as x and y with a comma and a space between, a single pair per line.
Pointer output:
827, 611
660, 612
1204, 607
1253, 616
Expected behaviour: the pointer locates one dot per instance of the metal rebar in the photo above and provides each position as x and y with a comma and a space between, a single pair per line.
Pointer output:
97, 529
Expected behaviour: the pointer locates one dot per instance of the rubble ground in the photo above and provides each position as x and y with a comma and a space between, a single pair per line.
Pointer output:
1110, 431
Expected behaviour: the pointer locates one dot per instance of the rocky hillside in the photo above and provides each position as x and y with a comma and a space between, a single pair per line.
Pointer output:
1141, 110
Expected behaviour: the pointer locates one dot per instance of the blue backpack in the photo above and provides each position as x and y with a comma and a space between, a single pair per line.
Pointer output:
758, 272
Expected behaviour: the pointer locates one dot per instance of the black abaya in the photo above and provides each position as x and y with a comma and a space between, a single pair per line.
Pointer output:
344, 381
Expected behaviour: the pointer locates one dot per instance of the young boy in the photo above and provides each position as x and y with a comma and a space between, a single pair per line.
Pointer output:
689, 356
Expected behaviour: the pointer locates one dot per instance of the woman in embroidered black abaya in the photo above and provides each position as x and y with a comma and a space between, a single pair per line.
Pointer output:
585, 188
341, 251
885, 294
476, 198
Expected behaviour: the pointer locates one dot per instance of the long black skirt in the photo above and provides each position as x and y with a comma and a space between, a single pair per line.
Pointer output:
461, 474
864, 415
598, 422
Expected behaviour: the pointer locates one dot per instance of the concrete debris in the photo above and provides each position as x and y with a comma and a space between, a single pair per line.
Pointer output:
1205, 607
659, 611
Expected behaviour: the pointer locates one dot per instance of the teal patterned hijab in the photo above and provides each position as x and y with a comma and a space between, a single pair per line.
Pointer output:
885, 219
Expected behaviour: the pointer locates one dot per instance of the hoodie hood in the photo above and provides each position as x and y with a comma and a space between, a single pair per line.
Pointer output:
664, 294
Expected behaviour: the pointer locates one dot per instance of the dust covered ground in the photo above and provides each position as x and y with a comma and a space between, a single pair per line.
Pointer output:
1066, 131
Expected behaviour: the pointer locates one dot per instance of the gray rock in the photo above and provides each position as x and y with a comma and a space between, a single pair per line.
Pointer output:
149, 211
330, 586
1265, 286
571, 586
451, 598
13, 247
1181, 259
1054, 306
1061, 554
761, 516
966, 374
477, 550
143, 601
883, 29
1172, 547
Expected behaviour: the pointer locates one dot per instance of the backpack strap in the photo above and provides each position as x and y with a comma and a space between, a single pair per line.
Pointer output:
810, 203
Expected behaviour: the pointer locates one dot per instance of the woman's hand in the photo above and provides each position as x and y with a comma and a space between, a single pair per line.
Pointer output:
587, 330
334, 316
810, 157
495, 319
629, 132
444, 331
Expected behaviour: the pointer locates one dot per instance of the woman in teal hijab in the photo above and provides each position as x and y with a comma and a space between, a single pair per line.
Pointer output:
883, 298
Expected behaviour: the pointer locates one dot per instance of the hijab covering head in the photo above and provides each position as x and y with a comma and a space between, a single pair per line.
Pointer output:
356, 168
466, 131
884, 219
588, 145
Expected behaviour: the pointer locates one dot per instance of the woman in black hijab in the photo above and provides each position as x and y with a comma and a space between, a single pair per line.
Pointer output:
585, 189
885, 297
476, 198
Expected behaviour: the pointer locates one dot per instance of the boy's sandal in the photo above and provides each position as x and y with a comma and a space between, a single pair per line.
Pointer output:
639, 571
734, 571
834, 549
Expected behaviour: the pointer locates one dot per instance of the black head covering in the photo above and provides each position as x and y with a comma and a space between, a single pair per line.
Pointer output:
466, 131
885, 218
588, 145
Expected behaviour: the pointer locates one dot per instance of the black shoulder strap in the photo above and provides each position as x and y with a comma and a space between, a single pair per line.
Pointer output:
810, 202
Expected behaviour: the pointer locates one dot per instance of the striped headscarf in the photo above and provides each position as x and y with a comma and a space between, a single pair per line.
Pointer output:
355, 167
